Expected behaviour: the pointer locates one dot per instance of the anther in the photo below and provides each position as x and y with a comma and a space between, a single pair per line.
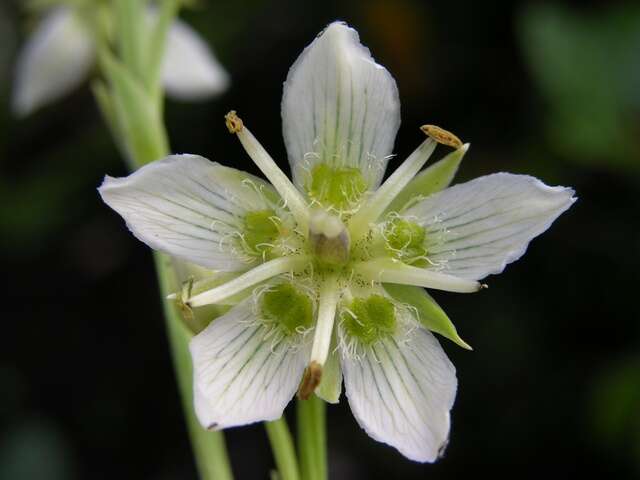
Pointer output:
441, 135
310, 380
233, 122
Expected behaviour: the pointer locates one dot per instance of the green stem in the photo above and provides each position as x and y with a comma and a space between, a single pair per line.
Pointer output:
209, 448
283, 450
312, 438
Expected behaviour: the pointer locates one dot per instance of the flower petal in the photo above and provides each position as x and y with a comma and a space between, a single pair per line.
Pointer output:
55, 60
191, 208
339, 108
476, 228
190, 71
241, 373
401, 391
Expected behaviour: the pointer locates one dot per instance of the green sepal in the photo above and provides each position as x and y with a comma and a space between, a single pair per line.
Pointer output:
430, 315
330, 386
431, 180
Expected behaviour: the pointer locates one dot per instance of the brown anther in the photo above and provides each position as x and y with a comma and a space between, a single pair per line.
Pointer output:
233, 122
310, 380
442, 136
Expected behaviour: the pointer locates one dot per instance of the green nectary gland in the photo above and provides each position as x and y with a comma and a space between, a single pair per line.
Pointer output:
369, 319
288, 307
337, 187
406, 240
260, 230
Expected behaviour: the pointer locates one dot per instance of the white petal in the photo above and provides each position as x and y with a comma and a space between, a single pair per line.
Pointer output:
339, 107
401, 391
190, 71
55, 60
241, 375
189, 207
476, 228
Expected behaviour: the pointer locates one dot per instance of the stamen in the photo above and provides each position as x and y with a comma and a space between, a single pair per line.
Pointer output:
376, 205
329, 294
289, 193
389, 271
252, 277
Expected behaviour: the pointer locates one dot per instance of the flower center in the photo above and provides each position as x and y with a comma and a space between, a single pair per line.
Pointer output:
329, 238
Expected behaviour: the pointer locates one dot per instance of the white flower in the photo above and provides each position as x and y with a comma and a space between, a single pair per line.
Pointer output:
327, 266
61, 51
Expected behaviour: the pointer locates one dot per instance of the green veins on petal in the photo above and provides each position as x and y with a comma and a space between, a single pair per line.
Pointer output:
370, 318
288, 307
337, 187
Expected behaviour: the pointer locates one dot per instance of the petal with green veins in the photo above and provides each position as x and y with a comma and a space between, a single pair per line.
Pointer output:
433, 179
339, 109
191, 208
476, 228
242, 372
428, 312
401, 389
55, 60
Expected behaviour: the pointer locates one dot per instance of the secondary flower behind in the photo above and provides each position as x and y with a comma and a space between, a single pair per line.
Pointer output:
329, 266
62, 50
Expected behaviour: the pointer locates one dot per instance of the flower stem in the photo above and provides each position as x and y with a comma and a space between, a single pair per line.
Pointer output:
312, 438
131, 101
283, 450
209, 448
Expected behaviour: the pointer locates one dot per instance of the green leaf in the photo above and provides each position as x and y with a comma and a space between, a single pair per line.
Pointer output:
433, 179
430, 314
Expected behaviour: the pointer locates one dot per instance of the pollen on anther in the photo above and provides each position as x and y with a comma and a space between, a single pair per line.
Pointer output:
233, 122
442, 136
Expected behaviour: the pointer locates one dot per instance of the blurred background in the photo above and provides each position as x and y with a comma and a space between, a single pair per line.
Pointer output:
552, 387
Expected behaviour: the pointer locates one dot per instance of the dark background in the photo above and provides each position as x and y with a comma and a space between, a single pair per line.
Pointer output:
552, 388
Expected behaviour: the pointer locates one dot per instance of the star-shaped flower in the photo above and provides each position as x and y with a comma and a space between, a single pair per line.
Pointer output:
61, 51
329, 267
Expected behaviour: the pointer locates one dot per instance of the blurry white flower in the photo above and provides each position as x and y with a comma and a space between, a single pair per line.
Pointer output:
323, 271
61, 51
